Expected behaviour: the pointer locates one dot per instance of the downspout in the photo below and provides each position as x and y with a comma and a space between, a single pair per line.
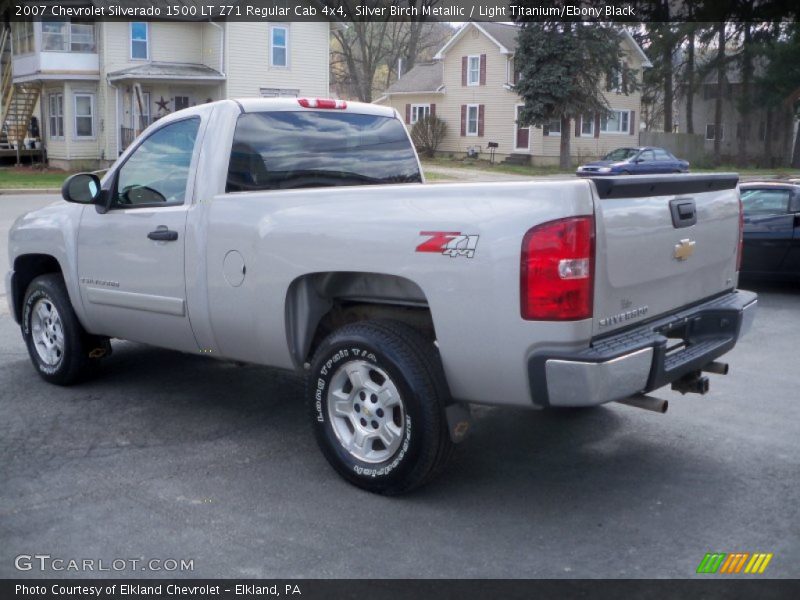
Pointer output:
221, 52
116, 116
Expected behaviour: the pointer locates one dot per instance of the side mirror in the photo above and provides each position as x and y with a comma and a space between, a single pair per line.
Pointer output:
82, 188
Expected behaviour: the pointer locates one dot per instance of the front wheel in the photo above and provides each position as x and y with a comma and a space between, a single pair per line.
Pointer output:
57, 344
376, 396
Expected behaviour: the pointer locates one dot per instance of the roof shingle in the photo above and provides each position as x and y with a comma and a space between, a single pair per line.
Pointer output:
424, 77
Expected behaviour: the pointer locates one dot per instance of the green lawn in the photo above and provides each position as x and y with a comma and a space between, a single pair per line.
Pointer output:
434, 177
779, 172
27, 178
485, 165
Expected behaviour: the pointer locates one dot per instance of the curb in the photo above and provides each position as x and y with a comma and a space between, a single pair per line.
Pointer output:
28, 191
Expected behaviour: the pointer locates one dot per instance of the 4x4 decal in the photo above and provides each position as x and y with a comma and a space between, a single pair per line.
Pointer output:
449, 243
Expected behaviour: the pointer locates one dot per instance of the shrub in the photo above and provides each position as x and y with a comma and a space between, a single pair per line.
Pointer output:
427, 134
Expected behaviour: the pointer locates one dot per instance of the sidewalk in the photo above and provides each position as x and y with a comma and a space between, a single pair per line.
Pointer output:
23, 191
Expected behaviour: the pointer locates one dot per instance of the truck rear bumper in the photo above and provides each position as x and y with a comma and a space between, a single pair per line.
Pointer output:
643, 358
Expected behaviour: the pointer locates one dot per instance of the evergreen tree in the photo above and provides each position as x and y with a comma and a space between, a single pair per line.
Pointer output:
563, 69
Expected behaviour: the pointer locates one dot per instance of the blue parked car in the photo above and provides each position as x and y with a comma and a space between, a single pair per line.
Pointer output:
635, 161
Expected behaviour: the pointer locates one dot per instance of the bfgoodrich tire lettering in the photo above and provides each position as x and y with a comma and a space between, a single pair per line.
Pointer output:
376, 400
55, 339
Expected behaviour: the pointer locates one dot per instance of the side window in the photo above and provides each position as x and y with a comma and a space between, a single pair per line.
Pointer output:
765, 202
647, 156
158, 170
662, 155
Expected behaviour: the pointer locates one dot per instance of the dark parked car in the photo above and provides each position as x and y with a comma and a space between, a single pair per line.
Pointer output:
771, 230
635, 161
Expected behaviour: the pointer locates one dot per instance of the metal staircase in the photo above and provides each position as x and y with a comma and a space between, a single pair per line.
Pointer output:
18, 100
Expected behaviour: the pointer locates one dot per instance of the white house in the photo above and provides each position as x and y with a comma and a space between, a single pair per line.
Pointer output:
94, 86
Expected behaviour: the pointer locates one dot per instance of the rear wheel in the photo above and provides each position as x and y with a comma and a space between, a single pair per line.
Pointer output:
376, 398
57, 344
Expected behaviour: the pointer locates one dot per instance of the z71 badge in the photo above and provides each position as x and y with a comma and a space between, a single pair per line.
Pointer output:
449, 243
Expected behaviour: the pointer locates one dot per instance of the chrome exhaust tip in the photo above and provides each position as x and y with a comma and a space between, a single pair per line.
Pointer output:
720, 368
646, 402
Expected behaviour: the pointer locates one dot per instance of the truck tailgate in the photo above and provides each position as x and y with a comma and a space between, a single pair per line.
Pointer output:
662, 242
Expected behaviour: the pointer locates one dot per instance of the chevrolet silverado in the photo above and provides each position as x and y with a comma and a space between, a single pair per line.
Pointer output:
296, 233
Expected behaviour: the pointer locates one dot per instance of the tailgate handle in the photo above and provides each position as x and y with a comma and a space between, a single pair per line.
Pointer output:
684, 212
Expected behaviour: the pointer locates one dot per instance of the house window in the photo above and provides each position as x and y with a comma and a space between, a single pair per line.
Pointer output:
420, 111
587, 125
140, 41
84, 115
22, 32
55, 114
614, 79
181, 102
279, 46
474, 70
81, 37
279, 92
711, 132
65, 36
617, 122
554, 127
55, 36
472, 119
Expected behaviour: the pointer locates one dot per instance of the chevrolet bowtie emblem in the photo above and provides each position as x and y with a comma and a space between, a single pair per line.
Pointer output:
684, 249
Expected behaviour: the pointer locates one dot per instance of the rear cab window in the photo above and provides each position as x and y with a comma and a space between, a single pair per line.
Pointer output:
283, 150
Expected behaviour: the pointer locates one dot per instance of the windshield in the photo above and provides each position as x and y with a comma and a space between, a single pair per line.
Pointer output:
620, 154
287, 150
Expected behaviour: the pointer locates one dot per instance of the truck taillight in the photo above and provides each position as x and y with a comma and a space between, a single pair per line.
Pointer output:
740, 248
321, 103
557, 270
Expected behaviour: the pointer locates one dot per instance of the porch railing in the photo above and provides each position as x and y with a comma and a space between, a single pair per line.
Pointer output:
128, 134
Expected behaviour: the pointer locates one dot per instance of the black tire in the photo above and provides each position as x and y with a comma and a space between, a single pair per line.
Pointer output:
73, 362
413, 367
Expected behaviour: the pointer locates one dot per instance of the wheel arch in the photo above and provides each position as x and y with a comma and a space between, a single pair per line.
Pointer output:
317, 303
27, 267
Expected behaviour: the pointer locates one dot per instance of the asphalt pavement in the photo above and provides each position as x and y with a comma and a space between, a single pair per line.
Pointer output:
170, 456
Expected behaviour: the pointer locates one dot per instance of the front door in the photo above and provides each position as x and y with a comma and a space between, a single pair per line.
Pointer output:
523, 137
131, 258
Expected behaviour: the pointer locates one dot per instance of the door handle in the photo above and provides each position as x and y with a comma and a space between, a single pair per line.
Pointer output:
162, 234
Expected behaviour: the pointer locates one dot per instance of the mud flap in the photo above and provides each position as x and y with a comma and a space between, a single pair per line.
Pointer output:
99, 347
459, 421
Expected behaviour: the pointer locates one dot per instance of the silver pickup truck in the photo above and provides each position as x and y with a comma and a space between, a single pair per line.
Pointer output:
296, 233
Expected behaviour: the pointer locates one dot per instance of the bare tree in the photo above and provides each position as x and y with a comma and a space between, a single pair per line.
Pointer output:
366, 49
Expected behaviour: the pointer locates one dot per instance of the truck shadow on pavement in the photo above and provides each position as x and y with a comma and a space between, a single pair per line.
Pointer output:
224, 419
160, 438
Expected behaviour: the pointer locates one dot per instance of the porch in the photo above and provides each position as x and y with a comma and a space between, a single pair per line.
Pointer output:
148, 92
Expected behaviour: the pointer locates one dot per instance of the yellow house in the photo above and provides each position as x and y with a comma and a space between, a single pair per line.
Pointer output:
470, 85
